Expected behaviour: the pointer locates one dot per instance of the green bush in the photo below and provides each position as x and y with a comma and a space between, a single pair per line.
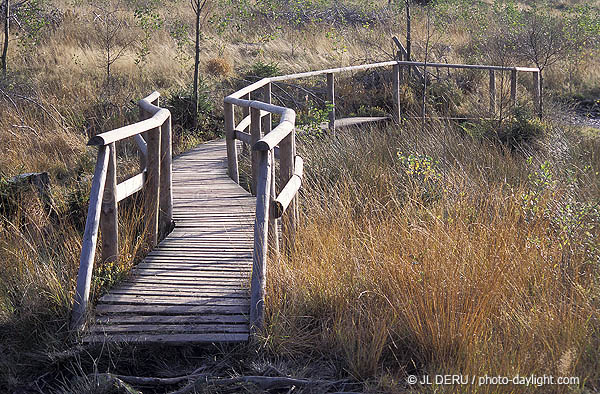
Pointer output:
260, 70
181, 104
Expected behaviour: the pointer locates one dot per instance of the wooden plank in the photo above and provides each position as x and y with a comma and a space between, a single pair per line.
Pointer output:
170, 328
141, 319
187, 283
173, 309
160, 291
127, 299
172, 339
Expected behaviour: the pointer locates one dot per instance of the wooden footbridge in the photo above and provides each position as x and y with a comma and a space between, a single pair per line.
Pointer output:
204, 280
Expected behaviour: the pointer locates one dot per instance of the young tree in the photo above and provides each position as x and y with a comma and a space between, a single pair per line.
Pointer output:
29, 15
109, 23
6, 14
197, 6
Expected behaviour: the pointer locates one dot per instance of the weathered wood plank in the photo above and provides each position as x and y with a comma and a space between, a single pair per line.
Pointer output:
170, 328
173, 339
141, 319
173, 309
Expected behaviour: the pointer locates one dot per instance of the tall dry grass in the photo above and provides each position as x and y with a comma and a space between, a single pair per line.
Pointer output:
395, 273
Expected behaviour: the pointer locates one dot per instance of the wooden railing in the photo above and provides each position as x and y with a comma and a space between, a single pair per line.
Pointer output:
267, 145
155, 177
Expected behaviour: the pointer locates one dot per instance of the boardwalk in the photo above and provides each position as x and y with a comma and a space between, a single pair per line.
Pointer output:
194, 286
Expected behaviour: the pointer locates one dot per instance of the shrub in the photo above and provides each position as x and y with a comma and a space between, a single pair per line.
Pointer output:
219, 66
181, 104
260, 70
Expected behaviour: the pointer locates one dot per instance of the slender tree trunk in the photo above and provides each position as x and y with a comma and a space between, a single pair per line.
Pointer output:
424, 97
6, 27
541, 109
196, 62
408, 41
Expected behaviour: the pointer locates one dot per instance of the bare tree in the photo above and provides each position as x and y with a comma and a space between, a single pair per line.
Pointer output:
197, 6
6, 33
110, 25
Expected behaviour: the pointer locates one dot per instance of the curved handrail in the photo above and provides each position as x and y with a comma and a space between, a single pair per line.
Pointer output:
280, 143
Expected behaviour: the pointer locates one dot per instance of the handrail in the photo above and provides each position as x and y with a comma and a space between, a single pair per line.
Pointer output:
155, 175
280, 143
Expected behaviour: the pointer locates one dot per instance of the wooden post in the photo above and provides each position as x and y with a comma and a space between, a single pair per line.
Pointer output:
165, 219
267, 119
245, 113
109, 216
537, 96
143, 115
492, 92
513, 87
266, 127
331, 99
286, 170
152, 189
255, 135
397, 115
273, 222
232, 159
90, 237
261, 229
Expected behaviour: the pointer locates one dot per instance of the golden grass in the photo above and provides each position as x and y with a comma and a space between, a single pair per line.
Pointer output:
382, 282
387, 284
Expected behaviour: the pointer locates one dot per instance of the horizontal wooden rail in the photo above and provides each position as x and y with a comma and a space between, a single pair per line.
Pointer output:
290, 190
131, 186
271, 140
131, 130
287, 114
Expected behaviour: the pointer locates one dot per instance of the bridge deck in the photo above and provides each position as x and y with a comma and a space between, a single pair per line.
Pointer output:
194, 286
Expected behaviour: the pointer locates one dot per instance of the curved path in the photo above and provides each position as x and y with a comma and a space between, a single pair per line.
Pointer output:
193, 287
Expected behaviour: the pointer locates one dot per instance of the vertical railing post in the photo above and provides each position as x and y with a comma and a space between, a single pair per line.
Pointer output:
286, 170
513, 87
143, 115
152, 187
90, 238
492, 92
273, 221
261, 229
255, 135
537, 93
166, 179
109, 216
266, 127
245, 113
397, 115
331, 99
232, 159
